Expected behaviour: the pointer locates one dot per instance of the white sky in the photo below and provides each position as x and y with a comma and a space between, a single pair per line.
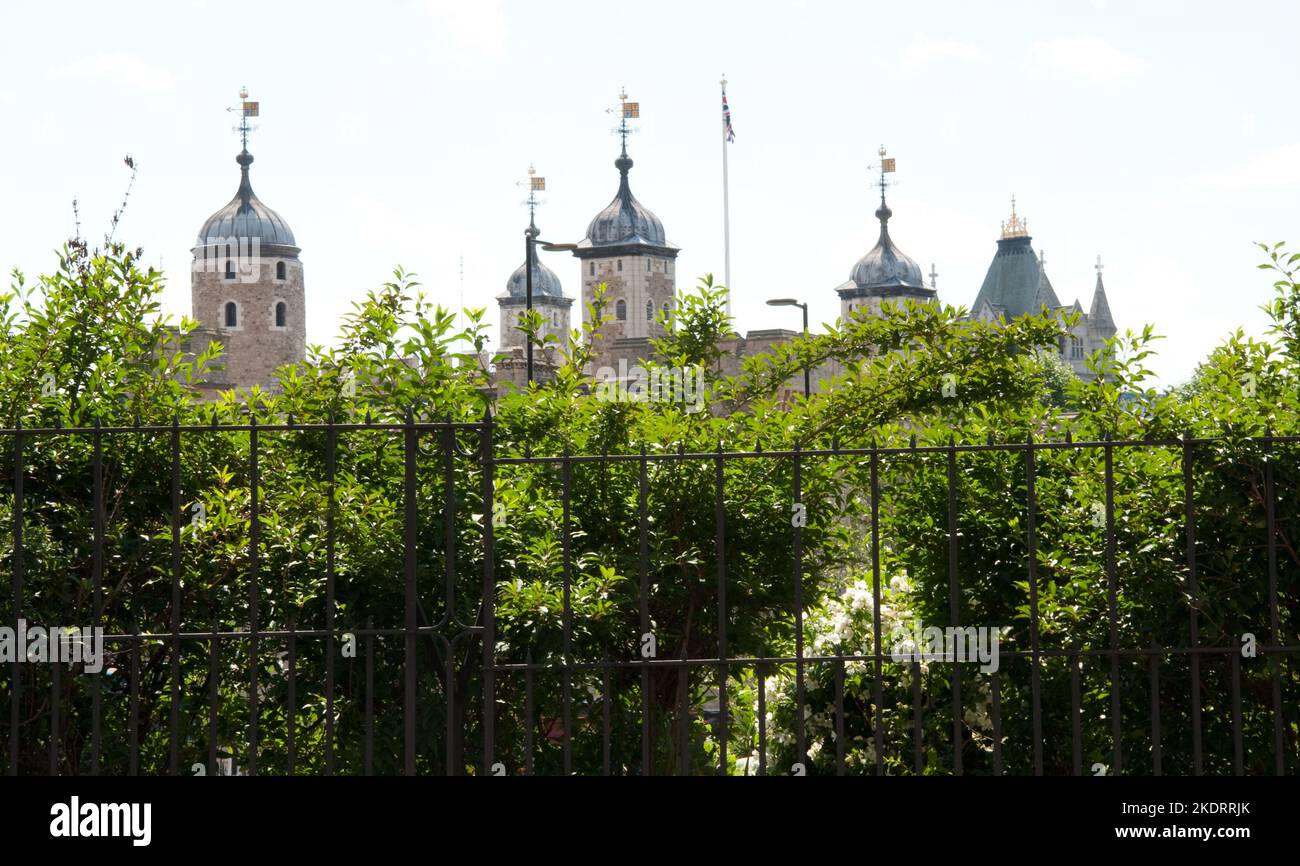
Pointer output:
1161, 135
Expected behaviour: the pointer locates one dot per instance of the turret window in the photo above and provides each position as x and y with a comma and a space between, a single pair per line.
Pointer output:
591, 266
230, 269
281, 311
279, 270
649, 311
620, 310
620, 264
231, 316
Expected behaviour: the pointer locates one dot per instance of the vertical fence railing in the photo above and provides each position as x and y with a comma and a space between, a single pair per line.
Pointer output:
590, 723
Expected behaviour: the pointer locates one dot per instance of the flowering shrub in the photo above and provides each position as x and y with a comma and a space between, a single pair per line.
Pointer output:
840, 631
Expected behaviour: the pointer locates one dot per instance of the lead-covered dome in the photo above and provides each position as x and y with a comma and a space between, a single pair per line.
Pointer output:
886, 266
625, 221
545, 282
247, 219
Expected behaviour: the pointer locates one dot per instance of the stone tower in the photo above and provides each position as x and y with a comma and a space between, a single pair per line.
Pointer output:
246, 286
625, 248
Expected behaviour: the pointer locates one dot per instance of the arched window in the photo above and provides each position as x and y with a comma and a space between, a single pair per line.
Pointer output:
280, 310
230, 269
620, 310
232, 314
279, 270
649, 311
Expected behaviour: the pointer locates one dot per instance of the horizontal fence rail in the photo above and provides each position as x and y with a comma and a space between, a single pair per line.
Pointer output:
369, 620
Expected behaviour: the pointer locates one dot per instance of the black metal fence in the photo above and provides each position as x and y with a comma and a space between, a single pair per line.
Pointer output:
421, 685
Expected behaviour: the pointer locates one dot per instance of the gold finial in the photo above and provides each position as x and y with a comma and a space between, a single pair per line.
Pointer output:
1015, 227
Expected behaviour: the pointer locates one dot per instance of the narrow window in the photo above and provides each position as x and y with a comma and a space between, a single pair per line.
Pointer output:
280, 311
230, 269
647, 266
620, 264
649, 310
279, 270
232, 314
620, 310
592, 267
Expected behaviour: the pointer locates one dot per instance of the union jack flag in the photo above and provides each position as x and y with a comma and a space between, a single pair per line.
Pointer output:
726, 118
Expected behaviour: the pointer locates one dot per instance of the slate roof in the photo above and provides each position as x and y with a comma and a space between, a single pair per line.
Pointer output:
1015, 281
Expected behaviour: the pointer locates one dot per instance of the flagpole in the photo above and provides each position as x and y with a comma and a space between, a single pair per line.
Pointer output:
726, 207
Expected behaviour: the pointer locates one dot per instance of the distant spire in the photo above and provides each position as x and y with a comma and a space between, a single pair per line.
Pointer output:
1099, 315
934, 277
1045, 295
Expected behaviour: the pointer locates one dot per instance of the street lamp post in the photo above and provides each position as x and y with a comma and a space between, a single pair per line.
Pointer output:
791, 302
530, 255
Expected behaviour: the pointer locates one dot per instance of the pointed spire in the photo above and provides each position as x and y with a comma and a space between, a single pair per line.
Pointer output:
1045, 295
1099, 315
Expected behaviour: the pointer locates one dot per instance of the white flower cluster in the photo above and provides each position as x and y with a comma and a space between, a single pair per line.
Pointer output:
846, 623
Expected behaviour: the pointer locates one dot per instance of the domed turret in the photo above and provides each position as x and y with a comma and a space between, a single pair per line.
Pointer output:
246, 219
886, 266
625, 220
545, 282
886, 273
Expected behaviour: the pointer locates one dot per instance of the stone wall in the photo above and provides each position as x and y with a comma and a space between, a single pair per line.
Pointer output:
255, 347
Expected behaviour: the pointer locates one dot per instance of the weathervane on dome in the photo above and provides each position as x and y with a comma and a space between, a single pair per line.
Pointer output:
246, 110
885, 166
535, 183
624, 110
